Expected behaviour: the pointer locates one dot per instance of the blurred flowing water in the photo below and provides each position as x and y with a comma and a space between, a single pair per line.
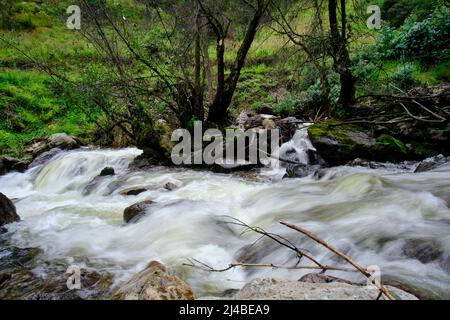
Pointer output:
369, 214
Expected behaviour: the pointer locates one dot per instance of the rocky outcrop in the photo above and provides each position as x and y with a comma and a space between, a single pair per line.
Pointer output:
58, 140
338, 143
8, 212
45, 157
170, 186
154, 283
108, 171
133, 192
276, 289
8, 164
323, 278
431, 163
300, 170
136, 211
19, 281
92, 284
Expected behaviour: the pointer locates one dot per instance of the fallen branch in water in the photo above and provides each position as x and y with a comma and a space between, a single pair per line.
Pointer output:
205, 267
358, 267
275, 237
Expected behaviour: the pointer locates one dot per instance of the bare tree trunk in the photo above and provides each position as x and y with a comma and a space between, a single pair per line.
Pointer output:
340, 53
226, 88
198, 85
208, 70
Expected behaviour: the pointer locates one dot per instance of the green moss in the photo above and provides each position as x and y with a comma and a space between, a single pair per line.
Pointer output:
336, 130
386, 141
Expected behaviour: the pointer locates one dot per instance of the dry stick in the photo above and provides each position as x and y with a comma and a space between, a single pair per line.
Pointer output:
386, 292
277, 238
267, 265
442, 119
416, 117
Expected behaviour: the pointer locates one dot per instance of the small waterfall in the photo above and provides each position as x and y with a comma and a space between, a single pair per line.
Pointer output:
297, 150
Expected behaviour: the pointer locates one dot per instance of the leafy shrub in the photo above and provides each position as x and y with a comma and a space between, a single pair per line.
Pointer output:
423, 40
287, 105
403, 76
397, 11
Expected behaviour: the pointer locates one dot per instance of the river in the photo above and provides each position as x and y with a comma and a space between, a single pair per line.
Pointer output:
369, 214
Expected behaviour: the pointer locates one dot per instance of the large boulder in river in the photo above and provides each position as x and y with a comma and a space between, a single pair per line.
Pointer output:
431, 163
45, 157
154, 283
8, 212
58, 140
8, 164
107, 171
277, 289
338, 143
136, 211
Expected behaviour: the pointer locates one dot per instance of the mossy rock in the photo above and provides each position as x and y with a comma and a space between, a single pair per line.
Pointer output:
338, 143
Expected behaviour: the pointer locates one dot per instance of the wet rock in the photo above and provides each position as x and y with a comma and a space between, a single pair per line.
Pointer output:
62, 141
250, 176
11, 257
423, 250
45, 157
320, 173
134, 192
58, 140
154, 283
170, 186
108, 171
339, 143
300, 170
323, 278
380, 165
92, 284
136, 211
8, 164
275, 289
8, 213
431, 163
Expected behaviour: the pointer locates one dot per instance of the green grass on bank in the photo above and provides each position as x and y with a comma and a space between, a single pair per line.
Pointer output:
29, 108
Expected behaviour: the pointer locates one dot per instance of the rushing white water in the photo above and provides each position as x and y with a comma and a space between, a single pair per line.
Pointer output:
369, 214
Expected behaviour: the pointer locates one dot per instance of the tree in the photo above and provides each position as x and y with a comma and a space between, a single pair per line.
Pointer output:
340, 53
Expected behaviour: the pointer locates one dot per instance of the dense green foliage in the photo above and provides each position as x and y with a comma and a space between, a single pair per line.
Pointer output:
411, 49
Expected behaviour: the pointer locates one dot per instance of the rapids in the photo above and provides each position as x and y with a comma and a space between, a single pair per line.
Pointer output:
369, 214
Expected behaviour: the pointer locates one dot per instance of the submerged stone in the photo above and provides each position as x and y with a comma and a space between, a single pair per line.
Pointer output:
136, 211
423, 250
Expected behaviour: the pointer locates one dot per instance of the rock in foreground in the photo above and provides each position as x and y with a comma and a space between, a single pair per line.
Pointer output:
8, 212
154, 283
275, 289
